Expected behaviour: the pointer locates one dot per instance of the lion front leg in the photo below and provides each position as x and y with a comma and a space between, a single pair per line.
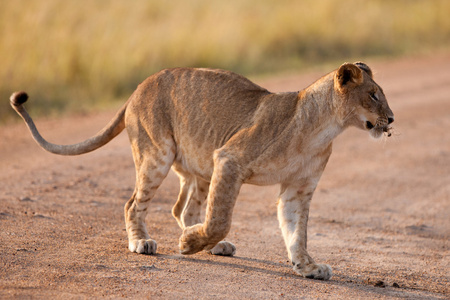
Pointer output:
293, 211
225, 185
186, 211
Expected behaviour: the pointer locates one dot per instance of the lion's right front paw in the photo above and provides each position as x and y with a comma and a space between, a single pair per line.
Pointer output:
143, 246
313, 271
192, 240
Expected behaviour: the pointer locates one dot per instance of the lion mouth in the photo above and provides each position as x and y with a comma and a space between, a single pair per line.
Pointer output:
379, 128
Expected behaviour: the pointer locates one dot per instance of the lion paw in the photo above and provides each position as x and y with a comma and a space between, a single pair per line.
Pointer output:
143, 246
192, 241
313, 271
223, 248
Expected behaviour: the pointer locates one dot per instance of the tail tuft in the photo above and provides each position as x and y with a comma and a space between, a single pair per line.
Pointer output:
18, 98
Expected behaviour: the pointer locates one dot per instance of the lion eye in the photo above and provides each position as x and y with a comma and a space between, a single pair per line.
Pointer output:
373, 96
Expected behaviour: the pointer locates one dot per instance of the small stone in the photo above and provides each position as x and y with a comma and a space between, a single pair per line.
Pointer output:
26, 199
380, 283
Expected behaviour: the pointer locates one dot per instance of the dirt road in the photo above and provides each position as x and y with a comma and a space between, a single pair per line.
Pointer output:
380, 215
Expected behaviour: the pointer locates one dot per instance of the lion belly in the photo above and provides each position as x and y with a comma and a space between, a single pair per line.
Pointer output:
190, 160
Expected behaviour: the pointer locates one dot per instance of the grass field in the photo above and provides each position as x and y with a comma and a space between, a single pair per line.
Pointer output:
79, 55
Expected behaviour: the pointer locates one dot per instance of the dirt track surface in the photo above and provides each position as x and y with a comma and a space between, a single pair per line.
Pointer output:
380, 215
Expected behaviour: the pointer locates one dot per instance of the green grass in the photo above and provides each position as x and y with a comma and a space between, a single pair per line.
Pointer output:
78, 55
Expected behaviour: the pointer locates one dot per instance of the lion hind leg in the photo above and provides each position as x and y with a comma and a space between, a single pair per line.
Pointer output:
151, 169
193, 192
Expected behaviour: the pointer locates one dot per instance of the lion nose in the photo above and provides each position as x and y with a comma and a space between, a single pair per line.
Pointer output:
390, 120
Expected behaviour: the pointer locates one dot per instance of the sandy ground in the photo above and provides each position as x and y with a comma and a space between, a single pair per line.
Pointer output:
380, 216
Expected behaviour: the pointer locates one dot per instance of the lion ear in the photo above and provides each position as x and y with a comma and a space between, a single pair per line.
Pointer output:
365, 68
347, 76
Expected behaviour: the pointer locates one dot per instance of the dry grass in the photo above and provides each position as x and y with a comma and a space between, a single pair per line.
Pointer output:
74, 55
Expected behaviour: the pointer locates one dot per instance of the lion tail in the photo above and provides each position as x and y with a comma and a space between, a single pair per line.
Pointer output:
110, 131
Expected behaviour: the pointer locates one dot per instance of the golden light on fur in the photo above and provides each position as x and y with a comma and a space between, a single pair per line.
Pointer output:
217, 130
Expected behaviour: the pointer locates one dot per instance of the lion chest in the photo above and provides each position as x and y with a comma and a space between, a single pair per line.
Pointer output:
300, 156
290, 167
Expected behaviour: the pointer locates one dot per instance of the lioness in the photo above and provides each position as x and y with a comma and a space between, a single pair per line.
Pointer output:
218, 130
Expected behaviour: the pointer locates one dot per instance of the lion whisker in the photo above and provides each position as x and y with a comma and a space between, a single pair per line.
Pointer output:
349, 114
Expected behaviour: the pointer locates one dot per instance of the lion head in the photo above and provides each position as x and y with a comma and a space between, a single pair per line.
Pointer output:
363, 102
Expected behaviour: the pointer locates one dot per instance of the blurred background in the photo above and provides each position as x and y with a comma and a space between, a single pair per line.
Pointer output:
77, 56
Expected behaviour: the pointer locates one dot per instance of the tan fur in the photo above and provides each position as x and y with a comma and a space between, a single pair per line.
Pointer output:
218, 130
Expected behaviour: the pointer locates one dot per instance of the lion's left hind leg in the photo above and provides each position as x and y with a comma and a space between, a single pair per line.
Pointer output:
152, 165
187, 209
